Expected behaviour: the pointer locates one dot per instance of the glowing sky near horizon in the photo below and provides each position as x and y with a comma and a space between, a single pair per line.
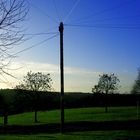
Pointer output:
100, 36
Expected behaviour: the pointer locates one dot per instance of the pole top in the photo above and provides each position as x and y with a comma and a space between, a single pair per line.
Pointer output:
61, 27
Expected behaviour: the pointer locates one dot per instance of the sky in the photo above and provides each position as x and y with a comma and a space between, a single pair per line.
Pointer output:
100, 36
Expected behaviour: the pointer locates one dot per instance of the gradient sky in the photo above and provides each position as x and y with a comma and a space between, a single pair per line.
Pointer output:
100, 36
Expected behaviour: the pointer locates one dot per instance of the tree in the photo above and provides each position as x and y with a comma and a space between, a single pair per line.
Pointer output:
136, 86
6, 104
96, 89
36, 82
107, 83
12, 14
4, 109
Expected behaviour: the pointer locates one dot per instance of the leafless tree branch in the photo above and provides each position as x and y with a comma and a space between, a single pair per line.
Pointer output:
12, 14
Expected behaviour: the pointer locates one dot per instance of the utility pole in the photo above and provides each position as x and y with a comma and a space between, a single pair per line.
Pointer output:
61, 28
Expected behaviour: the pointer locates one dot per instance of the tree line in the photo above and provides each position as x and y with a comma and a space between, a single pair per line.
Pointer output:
14, 101
34, 92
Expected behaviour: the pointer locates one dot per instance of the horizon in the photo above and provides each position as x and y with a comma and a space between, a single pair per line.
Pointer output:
99, 37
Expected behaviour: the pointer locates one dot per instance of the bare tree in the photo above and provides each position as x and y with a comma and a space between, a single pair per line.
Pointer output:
12, 14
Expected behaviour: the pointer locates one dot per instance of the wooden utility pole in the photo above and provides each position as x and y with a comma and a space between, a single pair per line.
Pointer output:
61, 28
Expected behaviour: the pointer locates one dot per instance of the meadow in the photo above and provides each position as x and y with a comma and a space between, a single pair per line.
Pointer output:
92, 114
92, 135
75, 115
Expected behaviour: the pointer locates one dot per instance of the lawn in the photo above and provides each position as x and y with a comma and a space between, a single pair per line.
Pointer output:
94, 114
74, 115
92, 135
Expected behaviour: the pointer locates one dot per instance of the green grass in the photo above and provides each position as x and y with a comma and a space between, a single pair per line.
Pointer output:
92, 135
71, 115
98, 114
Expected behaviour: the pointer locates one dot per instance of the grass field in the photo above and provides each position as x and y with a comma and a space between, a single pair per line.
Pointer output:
92, 135
75, 115
80, 114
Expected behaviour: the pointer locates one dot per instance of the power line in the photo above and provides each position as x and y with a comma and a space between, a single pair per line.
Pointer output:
41, 33
104, 11
56, 10
71, 11
106, 26
44, 13
35, 45
109, 19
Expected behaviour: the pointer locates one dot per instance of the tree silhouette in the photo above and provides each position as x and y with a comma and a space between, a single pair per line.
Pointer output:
107, 83
36, 82
96, 89
12, 14
136, 86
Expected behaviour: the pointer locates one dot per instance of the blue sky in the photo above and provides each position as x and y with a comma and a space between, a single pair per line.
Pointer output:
100, 36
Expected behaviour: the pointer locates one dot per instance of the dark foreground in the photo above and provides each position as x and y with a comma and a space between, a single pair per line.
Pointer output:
71, 127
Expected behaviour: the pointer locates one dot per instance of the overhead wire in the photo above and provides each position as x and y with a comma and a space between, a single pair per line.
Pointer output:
71, 11
35, 45
117, 26
103, 11
56, 10
109, 19
105, 26
44, 13
41, 33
